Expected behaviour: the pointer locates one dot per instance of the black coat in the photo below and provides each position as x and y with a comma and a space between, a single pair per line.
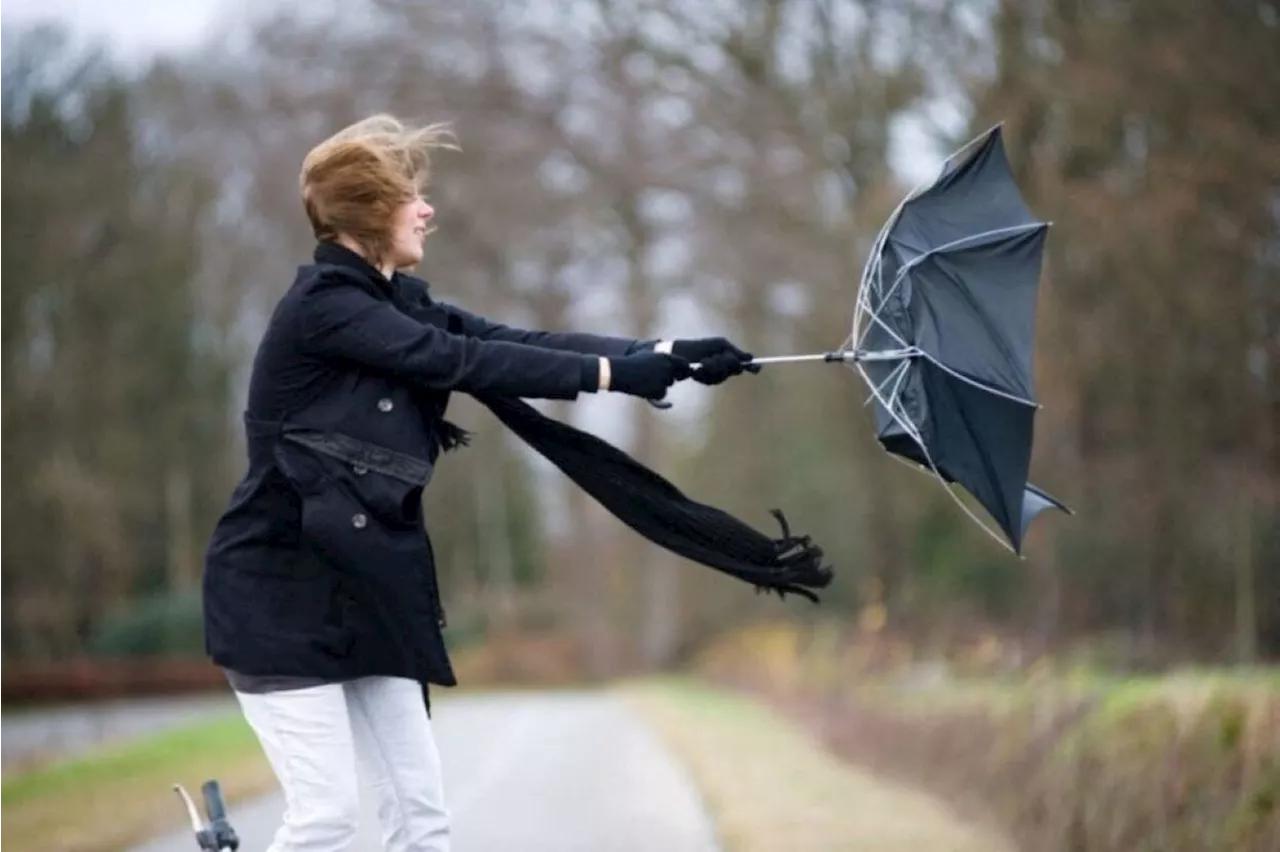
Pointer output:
321, 566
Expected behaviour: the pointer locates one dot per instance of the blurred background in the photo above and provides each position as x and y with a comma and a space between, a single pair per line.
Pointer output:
653, 168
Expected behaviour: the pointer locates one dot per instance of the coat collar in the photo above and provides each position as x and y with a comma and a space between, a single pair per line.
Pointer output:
339, 255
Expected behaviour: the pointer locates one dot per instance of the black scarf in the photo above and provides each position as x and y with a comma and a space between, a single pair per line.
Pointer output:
657, 510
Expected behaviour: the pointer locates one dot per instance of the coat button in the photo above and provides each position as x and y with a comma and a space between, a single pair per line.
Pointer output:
359, 520
385, 404
359, 469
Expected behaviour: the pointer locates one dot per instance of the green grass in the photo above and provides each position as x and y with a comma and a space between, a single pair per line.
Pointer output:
164, 754
122, 794
1112, 694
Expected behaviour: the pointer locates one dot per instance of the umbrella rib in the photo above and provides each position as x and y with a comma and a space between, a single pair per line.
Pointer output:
872, 270
914, 433
921, 258
979, 385
954, 244
871, 313
998, 336
862, 308
951, 491
862, 304
875, 318
898, 376
907, 426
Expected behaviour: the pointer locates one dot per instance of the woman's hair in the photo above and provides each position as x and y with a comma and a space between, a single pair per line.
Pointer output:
355, 180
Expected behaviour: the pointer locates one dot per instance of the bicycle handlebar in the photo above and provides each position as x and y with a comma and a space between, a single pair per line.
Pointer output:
216, 835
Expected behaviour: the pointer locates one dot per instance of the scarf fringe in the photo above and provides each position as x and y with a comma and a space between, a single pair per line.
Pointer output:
453, 436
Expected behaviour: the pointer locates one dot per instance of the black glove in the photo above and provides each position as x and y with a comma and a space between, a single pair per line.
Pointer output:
717, 359
647, 374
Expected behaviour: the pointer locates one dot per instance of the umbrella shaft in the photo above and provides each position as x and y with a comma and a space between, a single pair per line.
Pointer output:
795, 359
846, 356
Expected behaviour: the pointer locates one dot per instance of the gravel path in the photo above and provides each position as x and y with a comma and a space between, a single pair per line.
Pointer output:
569, 772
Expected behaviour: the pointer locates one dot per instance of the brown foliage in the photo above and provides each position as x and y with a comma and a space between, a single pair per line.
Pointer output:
675, 169
1081, 776
94, 679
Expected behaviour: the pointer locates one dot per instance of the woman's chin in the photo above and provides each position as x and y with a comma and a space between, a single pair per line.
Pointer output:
409, 261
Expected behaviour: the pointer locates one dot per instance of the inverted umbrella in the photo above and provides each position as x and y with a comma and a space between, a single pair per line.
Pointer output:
943, 334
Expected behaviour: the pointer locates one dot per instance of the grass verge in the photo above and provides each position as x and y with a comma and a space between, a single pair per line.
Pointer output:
771, 787
1065, 759
118, 796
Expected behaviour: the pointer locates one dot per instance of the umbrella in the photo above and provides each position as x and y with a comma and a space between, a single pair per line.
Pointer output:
943, 333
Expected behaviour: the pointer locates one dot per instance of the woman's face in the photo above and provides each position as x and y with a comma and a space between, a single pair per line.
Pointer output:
409, 227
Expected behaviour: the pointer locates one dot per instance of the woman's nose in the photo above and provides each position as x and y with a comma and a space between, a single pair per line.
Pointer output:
427, 213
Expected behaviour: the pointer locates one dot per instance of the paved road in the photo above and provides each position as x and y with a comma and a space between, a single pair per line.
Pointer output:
64, 731
560, 772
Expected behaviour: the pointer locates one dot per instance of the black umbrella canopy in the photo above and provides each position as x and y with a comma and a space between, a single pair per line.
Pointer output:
944, 332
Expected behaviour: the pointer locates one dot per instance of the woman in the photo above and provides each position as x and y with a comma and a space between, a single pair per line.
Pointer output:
320, 592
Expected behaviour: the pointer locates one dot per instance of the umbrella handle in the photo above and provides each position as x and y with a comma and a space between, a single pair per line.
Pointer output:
847, 356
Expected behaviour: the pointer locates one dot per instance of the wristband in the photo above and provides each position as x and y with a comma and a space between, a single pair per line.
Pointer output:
605, 374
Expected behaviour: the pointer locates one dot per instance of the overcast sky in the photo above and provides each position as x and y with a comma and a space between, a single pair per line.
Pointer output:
135, 28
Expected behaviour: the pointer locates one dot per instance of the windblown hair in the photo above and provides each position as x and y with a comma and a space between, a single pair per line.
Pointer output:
353, 182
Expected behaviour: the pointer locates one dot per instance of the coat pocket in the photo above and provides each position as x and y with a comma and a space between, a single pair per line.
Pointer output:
358, 501
369, 524
351, 485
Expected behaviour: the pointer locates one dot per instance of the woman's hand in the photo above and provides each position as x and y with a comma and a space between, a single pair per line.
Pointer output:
717, 359
645, 374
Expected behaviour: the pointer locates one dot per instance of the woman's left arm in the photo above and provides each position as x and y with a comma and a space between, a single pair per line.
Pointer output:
414, 293
718, 357
569, 341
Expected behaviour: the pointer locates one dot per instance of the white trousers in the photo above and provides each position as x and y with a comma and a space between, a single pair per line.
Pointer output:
313, 738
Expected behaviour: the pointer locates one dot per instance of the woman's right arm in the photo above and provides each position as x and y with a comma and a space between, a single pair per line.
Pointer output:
341, 320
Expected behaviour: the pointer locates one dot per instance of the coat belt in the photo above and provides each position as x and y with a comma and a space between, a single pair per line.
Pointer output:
401, 466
